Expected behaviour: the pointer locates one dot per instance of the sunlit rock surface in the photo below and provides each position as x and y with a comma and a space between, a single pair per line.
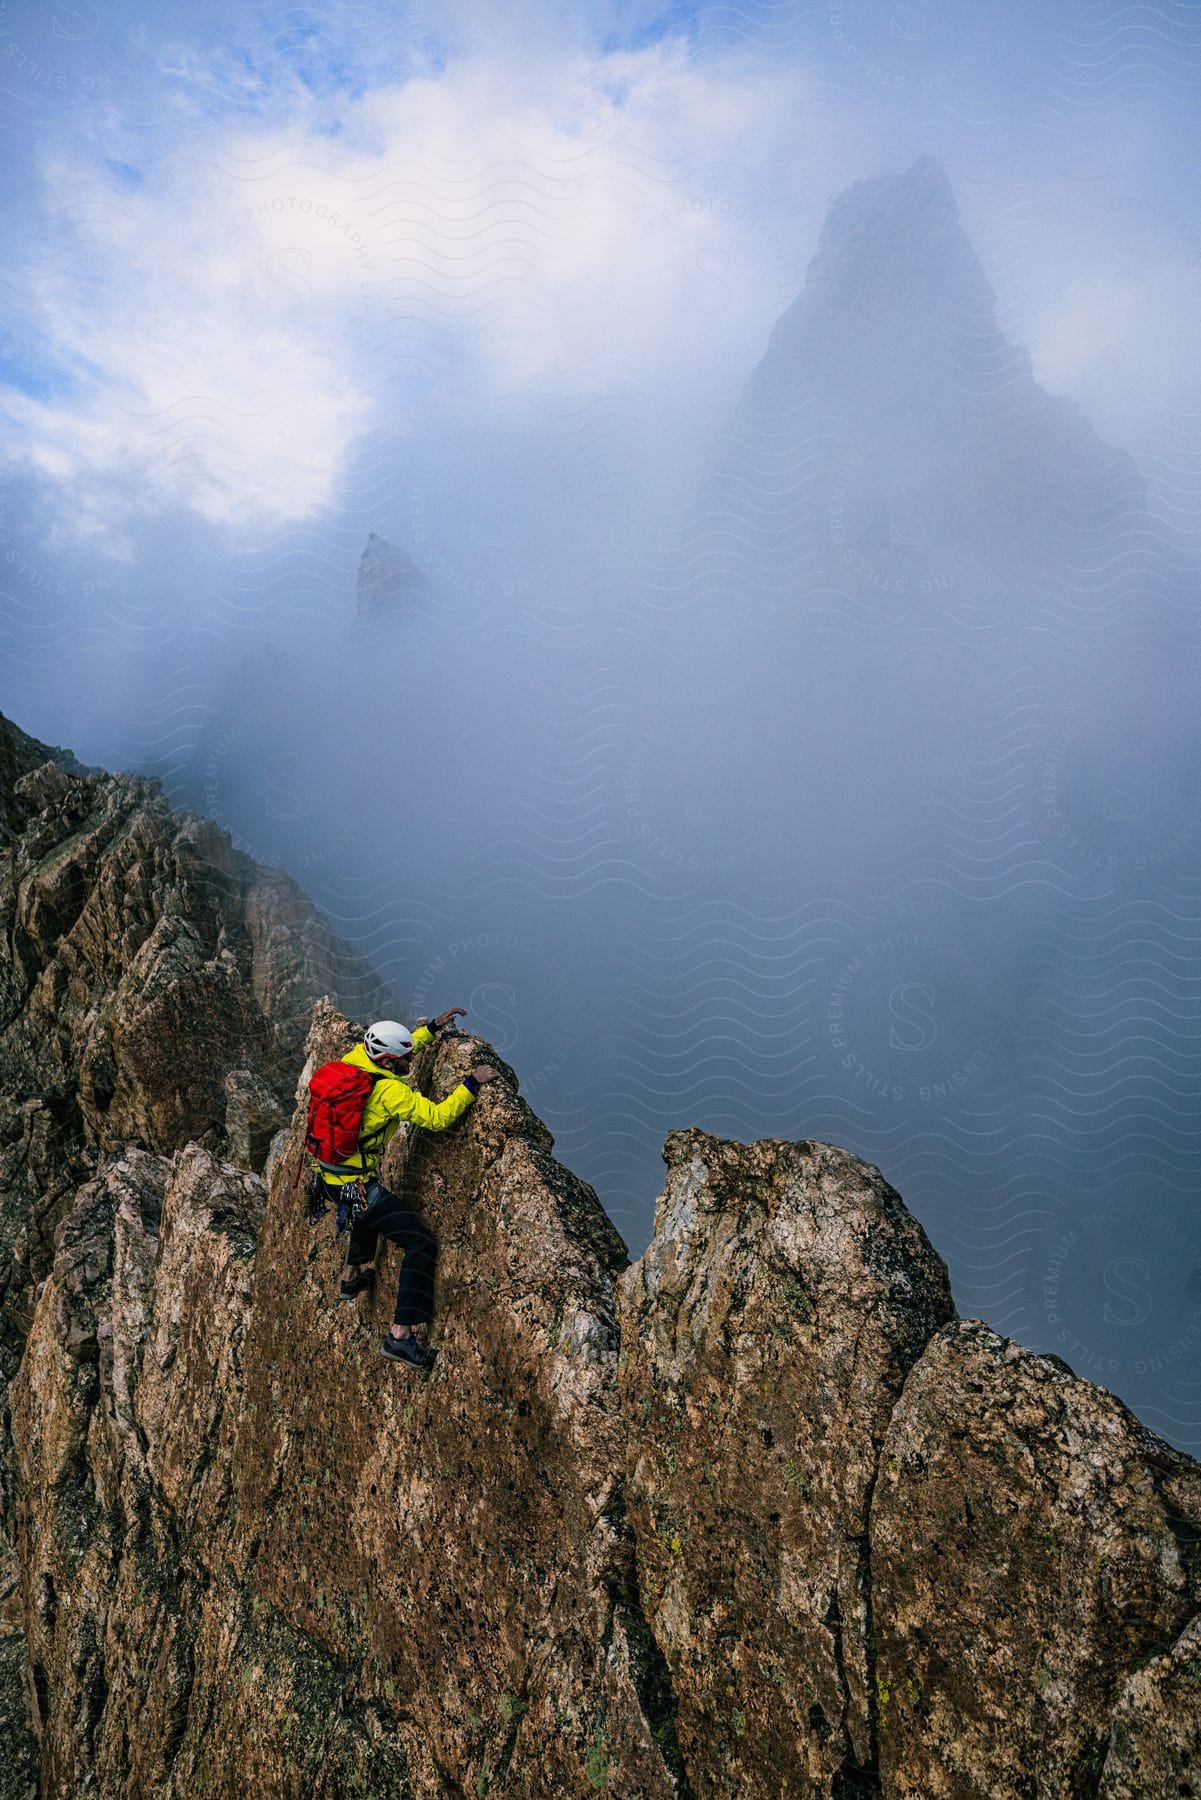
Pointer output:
767, 1333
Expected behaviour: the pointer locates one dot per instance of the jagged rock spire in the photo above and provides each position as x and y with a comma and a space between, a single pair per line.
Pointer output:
390, 583
892, 438
894, 284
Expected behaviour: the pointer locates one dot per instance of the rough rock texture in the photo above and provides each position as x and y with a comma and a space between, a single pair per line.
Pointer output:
123, 1415
768, 1331
19, 755
255, 1554
390, 584
755, 1516
1155, 1734
486, 1575
155, 989
1031, 1545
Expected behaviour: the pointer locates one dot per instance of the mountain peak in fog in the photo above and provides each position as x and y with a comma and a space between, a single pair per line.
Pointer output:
389, 583
894, 287
889, 371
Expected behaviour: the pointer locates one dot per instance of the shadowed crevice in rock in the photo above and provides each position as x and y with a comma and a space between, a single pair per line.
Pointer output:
853, 1782
856, 1780
18, 1745
648, 1667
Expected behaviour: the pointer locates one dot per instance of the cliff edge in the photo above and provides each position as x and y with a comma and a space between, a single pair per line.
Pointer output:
755, 1515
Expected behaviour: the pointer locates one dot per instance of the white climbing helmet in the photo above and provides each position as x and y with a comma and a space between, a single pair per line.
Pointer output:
387, 1037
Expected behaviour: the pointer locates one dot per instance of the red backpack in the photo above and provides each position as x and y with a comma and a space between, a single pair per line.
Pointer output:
339, 1092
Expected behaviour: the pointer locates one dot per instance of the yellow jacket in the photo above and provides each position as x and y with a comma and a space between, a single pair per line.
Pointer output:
391, 1101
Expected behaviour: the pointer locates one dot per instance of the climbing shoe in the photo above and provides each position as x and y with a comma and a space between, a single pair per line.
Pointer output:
358, 1284
407, 1350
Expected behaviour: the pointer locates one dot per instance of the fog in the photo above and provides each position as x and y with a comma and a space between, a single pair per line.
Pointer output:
794, 734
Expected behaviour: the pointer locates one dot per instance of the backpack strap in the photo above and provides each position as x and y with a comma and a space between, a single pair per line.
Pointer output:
365, 1139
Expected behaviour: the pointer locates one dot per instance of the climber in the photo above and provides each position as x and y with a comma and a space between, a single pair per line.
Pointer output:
387, 1051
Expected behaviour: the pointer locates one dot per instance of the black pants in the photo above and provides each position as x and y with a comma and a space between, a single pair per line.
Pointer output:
387, 1217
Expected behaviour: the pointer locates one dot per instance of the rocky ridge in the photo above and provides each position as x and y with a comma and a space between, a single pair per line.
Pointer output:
755, 1515
155, 991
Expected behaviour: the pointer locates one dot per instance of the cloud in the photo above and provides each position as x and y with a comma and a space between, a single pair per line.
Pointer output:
236, 310
1090, 321
199, 375
1122, 342
564, 231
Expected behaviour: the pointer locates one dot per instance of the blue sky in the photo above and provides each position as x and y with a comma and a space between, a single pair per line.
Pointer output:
137, 132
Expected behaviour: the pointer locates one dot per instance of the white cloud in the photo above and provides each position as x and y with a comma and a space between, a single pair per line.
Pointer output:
548, 222
198, 374
1123, 344
1090, 320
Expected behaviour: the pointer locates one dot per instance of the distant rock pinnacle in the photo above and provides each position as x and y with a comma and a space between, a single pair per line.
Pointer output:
892, 422
389, 584
894, 282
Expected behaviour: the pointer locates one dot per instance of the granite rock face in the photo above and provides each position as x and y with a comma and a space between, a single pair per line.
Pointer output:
481, 1588
768, 1331
757, 1515
1154, 1743
155, 989
123, 1413
1032, 1547
254, 1553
